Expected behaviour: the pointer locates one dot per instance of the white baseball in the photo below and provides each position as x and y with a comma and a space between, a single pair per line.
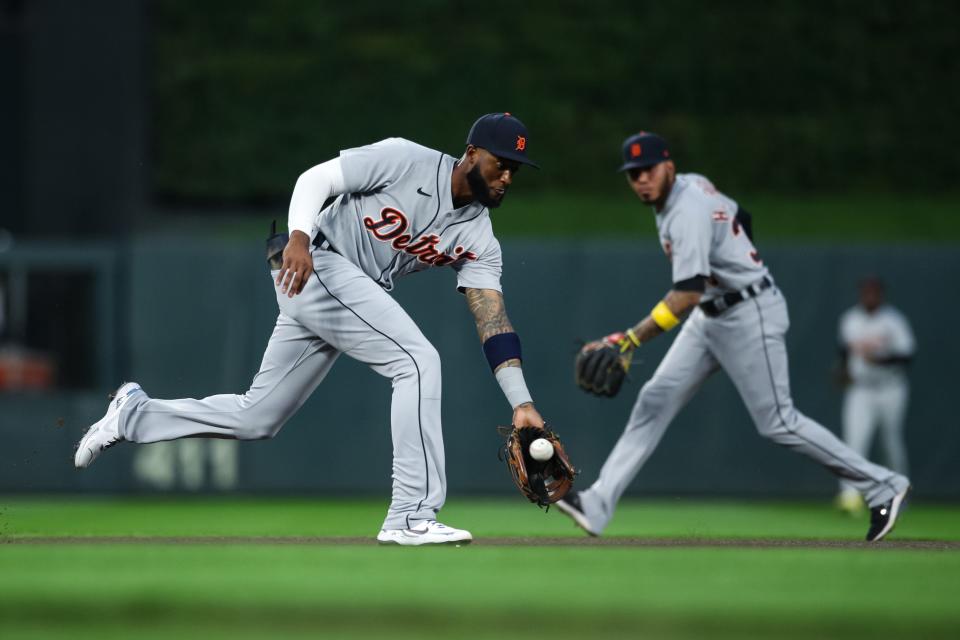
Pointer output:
541, 449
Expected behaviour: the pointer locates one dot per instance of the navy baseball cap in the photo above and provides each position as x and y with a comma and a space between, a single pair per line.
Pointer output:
503, 135
644, 149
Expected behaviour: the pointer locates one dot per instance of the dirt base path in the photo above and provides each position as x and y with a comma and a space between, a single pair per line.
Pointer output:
743, 543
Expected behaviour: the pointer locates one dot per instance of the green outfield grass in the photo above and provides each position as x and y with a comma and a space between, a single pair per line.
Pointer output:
247, 590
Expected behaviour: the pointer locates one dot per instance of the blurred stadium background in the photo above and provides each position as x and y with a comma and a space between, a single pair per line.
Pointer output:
145, 147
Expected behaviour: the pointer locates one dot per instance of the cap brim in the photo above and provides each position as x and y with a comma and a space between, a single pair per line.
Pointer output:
641, 164
516, 157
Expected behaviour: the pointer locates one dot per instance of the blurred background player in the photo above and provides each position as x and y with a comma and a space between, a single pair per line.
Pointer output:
876, 344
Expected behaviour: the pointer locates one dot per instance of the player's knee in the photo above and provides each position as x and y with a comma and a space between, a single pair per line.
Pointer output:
430, 370
775, 422
653, 396
427, 355
263, 430
260, 422
423, 362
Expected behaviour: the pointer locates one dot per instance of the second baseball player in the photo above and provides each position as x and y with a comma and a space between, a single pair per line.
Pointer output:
736, 319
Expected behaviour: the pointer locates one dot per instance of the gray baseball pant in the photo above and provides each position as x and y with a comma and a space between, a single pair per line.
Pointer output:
340, 310
748, 342
865, 409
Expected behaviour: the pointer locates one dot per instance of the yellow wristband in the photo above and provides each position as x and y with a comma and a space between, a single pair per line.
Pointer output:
663, 317
633, 337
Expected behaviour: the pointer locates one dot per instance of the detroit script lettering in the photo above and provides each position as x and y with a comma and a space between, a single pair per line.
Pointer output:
392, 227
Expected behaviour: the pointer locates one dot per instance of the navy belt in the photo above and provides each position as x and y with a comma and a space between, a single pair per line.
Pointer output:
321, 242
277, 242
718, 305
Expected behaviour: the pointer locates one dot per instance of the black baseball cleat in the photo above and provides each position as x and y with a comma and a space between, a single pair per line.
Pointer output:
884, 516
570, 505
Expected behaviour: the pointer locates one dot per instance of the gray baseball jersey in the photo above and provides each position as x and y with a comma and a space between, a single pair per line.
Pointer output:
700, 234
888, 330
397, 217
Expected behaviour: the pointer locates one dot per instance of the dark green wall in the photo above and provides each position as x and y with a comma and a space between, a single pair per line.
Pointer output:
199, 317
760, 96
73, 150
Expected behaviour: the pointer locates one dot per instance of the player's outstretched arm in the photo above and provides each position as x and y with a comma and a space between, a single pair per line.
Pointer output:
490, 314
501, 345
601, 366
668, 313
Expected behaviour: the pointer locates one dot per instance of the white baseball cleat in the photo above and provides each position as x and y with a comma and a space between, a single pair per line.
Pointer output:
429, 532
106, 432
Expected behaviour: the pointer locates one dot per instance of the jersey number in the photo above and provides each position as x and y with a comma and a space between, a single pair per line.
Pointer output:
754, 255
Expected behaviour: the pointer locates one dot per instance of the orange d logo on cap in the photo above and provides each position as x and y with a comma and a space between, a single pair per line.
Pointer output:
643, 149
503, 135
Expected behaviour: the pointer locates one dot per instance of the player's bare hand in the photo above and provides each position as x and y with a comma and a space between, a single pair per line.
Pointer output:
297, 264
525, 415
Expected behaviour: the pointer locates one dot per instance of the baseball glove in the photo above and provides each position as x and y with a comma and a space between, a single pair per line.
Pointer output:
542, 482
276, 243
601, 366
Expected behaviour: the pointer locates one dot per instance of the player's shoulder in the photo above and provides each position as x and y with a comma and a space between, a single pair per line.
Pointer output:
699, 181
484, 232
851, 314
700, 189
696, 197
406, 148
483, 225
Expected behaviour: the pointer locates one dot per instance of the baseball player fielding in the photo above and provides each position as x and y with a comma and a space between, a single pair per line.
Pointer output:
734, 317
356, 224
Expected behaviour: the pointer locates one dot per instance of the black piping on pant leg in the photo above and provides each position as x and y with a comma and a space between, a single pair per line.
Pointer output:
423, 445
776, 399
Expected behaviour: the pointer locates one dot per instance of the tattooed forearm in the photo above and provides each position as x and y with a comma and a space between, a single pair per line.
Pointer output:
488, 311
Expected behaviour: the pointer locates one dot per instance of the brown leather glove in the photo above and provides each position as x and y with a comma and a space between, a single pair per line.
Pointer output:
542, 482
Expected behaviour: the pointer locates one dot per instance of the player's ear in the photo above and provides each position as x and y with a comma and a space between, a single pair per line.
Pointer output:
671, 169
470, 157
